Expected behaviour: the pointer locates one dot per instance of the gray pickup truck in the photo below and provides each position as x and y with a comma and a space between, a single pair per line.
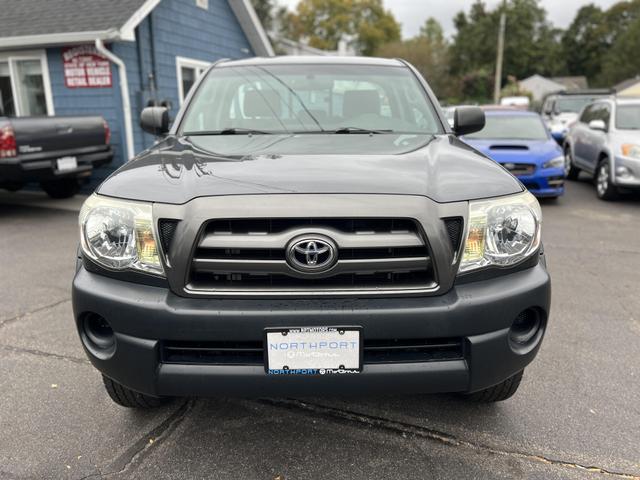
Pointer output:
55, 152
310, 226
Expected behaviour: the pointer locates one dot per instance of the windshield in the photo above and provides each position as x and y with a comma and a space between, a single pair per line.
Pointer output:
511, 127
571, 104
628, 117
310, 99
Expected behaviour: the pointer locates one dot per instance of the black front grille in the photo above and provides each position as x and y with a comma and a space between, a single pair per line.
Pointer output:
213, 353
267, 226
263, 281
249, 256
252, 353
520, 168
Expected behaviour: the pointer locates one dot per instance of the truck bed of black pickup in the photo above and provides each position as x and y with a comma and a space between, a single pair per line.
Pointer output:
53, 151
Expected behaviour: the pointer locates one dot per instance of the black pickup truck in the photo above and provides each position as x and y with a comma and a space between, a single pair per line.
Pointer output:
53, 151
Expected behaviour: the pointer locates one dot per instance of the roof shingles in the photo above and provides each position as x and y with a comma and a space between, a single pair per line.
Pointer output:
41, 17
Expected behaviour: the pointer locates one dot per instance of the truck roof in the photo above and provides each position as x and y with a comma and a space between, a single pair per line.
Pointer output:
314, 60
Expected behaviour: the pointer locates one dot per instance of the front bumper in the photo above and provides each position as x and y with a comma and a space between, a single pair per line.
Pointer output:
480, 313
627, 172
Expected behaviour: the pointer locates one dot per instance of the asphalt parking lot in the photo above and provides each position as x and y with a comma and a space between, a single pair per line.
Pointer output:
576, 415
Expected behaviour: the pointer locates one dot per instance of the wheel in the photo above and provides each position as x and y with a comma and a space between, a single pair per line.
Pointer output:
604, 188
570, 171
499, 392
129, 398
63, 188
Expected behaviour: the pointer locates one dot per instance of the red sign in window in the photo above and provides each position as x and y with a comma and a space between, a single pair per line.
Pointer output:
84, 67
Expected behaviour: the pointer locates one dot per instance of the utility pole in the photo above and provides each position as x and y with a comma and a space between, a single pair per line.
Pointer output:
499, 57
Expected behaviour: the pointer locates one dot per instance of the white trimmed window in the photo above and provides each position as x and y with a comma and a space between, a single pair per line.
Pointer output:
189, 71
25, 88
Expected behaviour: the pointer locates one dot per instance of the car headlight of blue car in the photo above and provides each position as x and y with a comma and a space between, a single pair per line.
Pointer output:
557, 162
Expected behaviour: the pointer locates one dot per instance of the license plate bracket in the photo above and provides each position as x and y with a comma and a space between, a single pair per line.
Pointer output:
64, 164
313, 350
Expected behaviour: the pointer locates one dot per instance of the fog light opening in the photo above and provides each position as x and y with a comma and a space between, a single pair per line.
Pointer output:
98, 335
526, 328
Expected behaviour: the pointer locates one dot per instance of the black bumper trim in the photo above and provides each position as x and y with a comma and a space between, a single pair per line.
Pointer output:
480, 312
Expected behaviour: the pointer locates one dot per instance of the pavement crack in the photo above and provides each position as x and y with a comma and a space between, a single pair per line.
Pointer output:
143, 446
40, 353
405, 429
31, 312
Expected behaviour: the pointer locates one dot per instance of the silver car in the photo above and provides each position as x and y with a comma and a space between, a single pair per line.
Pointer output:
605, 143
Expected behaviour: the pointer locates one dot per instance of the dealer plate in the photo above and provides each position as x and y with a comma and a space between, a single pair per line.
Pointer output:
313, 351
66, 163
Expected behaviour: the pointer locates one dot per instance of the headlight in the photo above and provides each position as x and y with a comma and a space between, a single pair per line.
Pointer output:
631, 150
501, 232
557, 162
119, 234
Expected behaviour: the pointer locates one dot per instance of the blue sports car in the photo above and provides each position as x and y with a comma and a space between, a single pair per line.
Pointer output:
521, 143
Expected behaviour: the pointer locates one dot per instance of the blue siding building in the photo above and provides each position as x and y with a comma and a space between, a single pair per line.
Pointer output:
113, 58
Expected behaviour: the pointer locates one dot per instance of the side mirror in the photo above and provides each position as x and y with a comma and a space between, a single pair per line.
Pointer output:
155, 120
598, 125
468, 120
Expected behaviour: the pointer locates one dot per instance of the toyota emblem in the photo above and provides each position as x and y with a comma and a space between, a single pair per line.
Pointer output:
312, 254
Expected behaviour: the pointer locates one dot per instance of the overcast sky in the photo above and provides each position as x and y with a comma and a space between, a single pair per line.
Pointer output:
413, 13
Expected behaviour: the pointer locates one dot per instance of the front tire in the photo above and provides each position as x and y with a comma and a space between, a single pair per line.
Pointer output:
571, 172
604, 188
63, 188
128, 398
499, 392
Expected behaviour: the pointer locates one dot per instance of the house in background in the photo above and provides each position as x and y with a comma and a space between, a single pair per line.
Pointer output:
540, 86
628, 88
114, 57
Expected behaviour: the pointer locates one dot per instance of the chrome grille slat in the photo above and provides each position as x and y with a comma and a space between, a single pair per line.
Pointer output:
248, 256
343, 240
228, 266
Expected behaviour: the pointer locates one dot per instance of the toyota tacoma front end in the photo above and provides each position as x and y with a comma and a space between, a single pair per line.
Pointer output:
310, 226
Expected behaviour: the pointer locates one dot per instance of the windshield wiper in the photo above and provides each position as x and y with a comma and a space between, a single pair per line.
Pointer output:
228, 131
347, 130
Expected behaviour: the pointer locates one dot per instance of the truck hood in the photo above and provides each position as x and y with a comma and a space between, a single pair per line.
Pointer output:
518, 151
179, 169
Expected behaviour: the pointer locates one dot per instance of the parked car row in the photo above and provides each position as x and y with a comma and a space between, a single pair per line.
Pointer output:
590, 132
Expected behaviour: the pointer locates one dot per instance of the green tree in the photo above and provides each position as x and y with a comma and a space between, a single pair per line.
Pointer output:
264, 10
532, 45
364, 23
584, 42
432, 31
429, 53
622, 60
